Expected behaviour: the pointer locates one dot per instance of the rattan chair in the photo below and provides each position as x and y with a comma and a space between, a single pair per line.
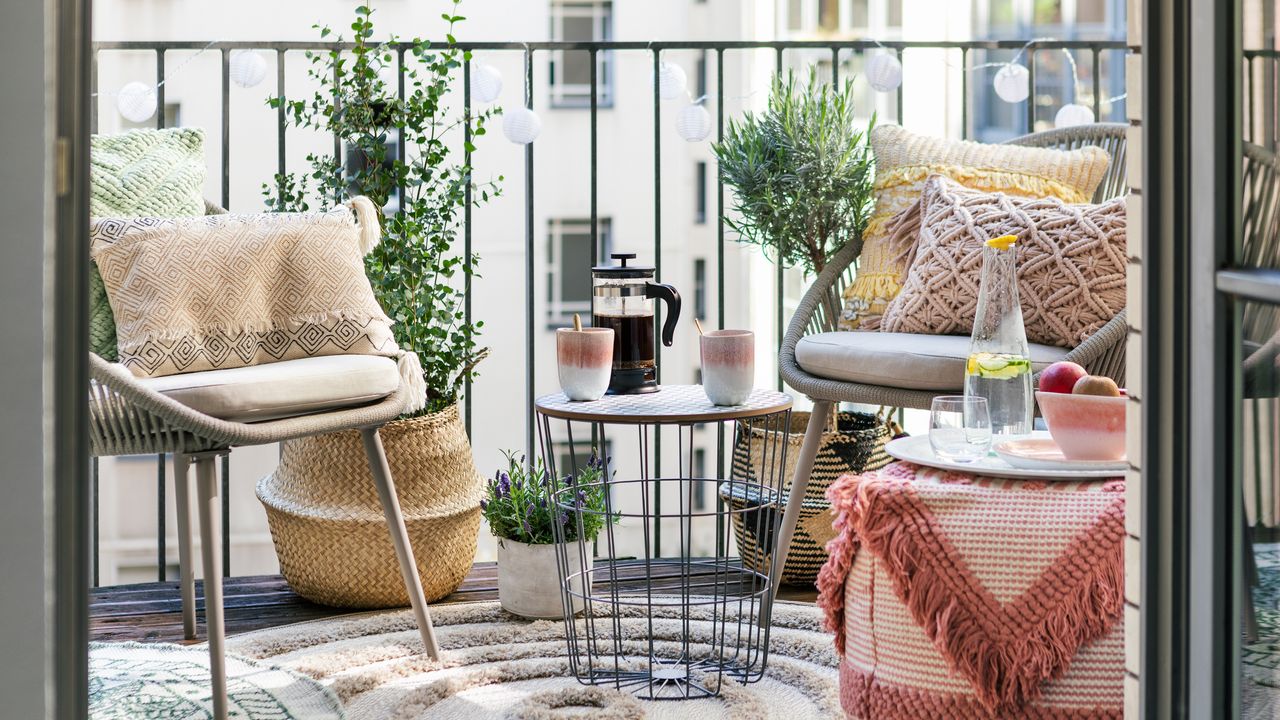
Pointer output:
1102, 353
127, 417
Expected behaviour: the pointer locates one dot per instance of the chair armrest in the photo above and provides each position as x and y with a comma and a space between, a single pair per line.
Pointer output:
822, 296
1102, 353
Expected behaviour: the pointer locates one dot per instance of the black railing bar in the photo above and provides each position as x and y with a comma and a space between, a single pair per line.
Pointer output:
861, 45
337, 141
1031, 90
160, 88
466, 211
1097, 81
161, 555
964, 94
897, 102
530, 261
657, 307
93, 470
595, 218
93, 89
720, 544
778, 319
1262, 52
282, 122
226, 129
226, 515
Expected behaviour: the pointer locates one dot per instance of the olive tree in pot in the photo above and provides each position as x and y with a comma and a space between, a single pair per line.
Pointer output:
324, 514
524, 506
800, 171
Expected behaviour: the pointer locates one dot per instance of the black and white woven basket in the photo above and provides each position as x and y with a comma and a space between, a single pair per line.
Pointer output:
854, 442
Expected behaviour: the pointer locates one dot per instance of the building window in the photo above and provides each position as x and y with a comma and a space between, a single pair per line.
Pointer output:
700, 289
700, 193
569, 268
571, 69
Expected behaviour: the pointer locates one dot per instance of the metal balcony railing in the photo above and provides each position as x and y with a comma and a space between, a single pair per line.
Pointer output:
839, 51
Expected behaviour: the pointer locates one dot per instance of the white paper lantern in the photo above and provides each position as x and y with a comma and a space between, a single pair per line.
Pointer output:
671, 81
883, 72
486, 83
247, 67
1011, 83
521, 125
1072, 115
693, 123
136, 101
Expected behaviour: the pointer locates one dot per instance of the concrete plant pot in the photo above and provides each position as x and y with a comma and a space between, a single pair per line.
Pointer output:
529, 582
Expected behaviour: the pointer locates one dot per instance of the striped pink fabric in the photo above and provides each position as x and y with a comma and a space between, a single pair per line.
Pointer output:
959, 596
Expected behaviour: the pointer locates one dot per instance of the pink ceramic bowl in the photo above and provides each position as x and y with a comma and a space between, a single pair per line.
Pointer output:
1085, 427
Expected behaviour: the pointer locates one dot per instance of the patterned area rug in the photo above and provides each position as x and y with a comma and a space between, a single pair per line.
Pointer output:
1260, 684
150, 681
495, 665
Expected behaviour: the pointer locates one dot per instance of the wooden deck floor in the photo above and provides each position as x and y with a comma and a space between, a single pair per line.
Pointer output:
152, 612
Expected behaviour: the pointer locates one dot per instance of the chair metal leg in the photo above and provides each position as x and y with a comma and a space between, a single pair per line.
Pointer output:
210, 551
186, 572
799, 483
399, 537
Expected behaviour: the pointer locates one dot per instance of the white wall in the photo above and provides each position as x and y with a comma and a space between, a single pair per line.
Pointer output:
25, 74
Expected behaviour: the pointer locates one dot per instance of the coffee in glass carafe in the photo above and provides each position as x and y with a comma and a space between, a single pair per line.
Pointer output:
622, 300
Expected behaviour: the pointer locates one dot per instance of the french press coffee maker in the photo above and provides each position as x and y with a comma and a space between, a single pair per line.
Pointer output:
622, 300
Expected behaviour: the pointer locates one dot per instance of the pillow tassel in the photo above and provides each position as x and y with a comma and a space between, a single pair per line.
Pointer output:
370, 229
411, 378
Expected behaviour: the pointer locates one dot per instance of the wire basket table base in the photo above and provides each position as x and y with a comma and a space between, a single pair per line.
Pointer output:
664, 628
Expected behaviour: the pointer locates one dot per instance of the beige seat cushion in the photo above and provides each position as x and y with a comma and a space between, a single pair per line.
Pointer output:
284, 389
900, 360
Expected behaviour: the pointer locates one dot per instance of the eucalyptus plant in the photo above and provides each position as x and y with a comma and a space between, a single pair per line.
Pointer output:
417, 274
801, 172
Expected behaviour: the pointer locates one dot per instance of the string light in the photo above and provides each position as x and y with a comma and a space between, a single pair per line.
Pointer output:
1012, 83
884, 72
486, 83
136, 102
522, 125
693, 123
671, 81
247, 68
1072, 114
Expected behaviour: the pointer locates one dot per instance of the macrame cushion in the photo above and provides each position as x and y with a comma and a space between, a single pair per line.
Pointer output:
157, 173
226, 291
1071, 262
904, 160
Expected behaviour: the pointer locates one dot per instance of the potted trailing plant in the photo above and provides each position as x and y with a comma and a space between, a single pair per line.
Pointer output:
801, 173
324, 514
523, 507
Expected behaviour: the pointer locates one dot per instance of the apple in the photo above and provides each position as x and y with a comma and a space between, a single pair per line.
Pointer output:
1061, 377
1096, 385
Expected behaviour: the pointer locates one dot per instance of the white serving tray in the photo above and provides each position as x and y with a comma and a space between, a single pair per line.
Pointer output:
916, 449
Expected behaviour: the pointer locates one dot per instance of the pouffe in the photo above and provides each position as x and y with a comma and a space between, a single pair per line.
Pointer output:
958, 596
327, 524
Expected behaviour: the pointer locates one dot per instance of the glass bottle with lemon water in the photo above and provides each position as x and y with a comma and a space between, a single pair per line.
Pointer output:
999, 365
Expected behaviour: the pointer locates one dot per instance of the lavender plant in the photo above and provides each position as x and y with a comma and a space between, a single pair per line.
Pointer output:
521, 502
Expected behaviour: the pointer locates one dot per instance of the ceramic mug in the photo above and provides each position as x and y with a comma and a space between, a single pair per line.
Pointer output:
728, 365
585, 360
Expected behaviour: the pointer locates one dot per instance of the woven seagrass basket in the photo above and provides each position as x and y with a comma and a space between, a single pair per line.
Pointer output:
327, 523
854, 442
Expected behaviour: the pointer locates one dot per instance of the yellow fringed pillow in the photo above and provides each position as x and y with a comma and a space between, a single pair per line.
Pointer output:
904, 160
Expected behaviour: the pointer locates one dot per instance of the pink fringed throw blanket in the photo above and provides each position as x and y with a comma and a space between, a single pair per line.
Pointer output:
953, 595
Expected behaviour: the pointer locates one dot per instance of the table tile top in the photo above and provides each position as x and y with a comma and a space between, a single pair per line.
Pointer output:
671, 404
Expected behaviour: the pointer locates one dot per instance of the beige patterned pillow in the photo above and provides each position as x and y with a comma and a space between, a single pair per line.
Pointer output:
904, 160
1071, 262
225, 291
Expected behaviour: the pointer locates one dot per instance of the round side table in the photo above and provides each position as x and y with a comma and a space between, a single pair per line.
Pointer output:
666, 627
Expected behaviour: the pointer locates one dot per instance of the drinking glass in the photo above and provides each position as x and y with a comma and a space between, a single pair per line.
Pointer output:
960, 428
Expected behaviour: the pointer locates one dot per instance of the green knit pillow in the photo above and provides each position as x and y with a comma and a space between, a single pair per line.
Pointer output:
141, 173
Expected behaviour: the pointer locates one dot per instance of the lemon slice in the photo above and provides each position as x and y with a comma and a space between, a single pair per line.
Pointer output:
997, 366
1004, 242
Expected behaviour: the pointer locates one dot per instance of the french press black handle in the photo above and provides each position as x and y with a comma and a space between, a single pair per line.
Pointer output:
667, 294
